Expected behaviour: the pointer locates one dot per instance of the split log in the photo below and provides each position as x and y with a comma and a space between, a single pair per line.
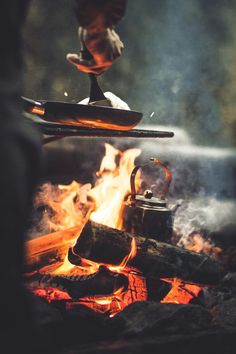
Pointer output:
103, 244
49, 249
52, 248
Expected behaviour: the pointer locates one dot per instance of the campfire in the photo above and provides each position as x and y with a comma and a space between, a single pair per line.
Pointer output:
88, 258
110, 254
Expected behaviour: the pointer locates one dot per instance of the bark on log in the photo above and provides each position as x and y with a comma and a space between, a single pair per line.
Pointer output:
103, 244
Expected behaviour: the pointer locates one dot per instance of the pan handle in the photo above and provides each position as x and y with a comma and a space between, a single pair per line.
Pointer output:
32, 106
96, 93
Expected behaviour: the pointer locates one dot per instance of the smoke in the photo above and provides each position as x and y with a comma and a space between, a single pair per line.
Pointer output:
207, 225
58, 207
203, 215
197, 171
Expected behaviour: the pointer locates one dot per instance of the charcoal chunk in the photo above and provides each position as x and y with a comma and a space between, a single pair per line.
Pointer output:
213, 296
225, 313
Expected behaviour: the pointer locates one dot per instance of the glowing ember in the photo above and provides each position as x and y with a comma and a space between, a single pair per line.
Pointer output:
51, 294
181, 292
112, 305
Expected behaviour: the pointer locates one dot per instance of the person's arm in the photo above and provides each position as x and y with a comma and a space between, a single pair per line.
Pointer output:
98, 15
97, 19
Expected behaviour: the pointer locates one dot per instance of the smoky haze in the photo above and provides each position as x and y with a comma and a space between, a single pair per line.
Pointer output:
178, 66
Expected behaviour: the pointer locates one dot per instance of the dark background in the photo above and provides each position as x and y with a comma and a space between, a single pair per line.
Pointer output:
179, 62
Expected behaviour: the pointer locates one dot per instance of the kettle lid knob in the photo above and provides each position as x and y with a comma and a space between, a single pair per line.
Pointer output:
148, 194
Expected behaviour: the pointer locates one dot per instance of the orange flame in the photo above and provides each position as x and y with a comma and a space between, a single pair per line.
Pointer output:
71, 217
112, 186
131, 255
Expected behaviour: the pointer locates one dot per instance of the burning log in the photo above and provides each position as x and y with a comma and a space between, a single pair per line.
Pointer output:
101, 283
50, 248
103, 244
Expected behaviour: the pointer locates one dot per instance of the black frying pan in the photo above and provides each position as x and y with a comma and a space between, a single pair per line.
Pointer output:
83, 115
91, 115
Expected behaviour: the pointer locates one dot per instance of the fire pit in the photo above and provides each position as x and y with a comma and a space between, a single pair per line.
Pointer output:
91, 271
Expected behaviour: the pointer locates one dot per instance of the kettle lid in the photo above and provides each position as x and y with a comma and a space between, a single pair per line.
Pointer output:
147, 199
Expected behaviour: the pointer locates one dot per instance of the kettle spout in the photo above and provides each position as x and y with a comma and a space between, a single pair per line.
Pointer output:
175, 208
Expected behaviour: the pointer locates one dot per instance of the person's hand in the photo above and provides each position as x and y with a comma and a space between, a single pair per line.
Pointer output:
104, 48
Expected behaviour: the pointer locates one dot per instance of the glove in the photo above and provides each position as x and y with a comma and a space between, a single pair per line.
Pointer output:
99, 50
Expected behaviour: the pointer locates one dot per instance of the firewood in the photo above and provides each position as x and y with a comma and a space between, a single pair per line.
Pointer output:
103, 244
49, 249
52, 248
101, 283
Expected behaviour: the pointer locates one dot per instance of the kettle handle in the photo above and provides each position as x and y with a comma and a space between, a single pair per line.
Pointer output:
168, 177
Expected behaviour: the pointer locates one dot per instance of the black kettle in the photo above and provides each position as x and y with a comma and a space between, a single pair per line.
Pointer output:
146, 215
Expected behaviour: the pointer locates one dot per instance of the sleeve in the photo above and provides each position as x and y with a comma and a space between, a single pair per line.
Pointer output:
99, 14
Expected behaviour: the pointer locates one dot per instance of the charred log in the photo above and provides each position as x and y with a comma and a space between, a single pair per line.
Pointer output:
103, 244
101, 283
157, 289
